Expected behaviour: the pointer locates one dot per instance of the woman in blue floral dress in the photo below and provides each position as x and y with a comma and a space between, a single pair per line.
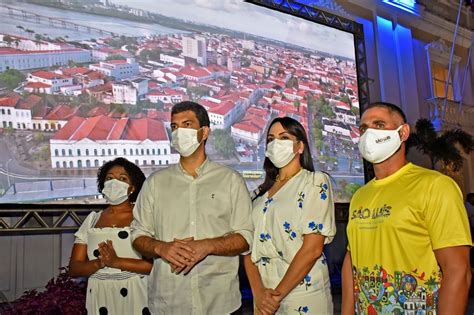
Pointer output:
293, 215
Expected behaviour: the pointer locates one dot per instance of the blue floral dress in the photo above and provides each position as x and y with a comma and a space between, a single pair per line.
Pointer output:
302, 206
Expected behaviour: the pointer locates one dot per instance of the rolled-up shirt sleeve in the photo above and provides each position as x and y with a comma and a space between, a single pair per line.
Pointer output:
143, 222
241, 216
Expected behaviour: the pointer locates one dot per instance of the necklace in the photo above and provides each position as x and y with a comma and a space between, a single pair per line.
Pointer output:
280, 179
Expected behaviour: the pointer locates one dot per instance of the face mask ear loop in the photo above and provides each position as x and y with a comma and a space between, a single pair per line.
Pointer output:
202, 138
398, 131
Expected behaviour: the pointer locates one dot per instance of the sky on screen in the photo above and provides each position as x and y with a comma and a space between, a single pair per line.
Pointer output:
240, 16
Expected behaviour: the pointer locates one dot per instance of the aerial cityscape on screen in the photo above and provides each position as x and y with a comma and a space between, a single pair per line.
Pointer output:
84, 82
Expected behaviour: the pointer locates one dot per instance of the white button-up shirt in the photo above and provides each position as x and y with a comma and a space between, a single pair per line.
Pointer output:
172, 204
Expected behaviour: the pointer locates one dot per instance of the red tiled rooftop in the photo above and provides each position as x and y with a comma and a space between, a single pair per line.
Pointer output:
94, 75
285, 108
71, 71
216, 68
156, 93
257, 111
223, 108
95, 128
69, 128
108, 128
290, 91
40, 111
61, 112
173, 92
37, 85
244, 94
100, 88
256, 121
343, 105
145, 128
152, 85
10, 101
116, 133
166, 92
208, 104
267, 86
114, 62
195, 72
30, 102
234, 97
159, 115
138, 115
48, 75
246, 127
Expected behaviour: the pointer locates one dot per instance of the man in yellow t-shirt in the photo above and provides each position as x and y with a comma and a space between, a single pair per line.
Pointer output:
408, 231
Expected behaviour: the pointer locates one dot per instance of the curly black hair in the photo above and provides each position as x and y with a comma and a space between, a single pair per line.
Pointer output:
135, 173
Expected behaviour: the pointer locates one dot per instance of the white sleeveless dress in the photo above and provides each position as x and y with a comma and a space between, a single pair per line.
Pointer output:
111, 291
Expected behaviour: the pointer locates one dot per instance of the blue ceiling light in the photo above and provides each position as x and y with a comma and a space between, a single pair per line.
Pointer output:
405, 5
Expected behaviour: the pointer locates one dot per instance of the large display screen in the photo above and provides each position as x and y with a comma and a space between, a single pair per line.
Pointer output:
83, 82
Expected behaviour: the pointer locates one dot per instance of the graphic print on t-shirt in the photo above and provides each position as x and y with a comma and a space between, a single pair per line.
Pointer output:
378, 292
396, 225
367, 213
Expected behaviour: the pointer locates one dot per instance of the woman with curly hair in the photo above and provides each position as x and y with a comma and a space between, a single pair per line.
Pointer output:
103, 251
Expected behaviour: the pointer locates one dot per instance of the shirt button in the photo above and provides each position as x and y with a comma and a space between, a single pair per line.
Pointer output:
192, 222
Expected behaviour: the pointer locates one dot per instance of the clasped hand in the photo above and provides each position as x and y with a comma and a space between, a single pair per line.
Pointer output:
267, 301
183, 254
107, 256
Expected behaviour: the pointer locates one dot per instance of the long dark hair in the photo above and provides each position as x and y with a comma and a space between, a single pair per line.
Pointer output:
293, 127
136, 175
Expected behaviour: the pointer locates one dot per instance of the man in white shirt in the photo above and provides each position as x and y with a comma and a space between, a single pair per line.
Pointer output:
194, 219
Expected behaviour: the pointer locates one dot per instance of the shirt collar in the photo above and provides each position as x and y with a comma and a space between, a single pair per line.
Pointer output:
404, 169
200, 170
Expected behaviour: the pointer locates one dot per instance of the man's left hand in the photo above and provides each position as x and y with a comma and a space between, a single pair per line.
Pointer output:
202, 248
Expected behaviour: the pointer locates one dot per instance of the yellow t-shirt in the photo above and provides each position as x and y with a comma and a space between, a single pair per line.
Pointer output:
395, 224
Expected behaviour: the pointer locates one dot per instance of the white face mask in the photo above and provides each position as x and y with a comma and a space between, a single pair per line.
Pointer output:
280, 152
185, 141
377, 145
115, 191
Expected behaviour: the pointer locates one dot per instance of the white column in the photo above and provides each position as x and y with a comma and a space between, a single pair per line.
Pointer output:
410, 101
387, 61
